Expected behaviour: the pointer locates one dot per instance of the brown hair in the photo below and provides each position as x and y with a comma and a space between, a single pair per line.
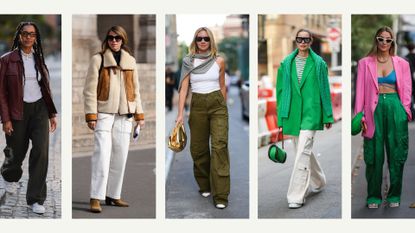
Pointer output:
121, 32
305, 30
374, 50
193, 46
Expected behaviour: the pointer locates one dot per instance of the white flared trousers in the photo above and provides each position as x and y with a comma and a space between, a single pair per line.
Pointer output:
112, 139
307, 175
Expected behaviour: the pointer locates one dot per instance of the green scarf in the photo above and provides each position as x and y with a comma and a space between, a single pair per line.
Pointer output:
321, 72
188, 67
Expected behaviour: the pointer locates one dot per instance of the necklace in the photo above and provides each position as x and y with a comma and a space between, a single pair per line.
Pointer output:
384, 61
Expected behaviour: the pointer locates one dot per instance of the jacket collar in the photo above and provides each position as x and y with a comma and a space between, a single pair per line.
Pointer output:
127, 62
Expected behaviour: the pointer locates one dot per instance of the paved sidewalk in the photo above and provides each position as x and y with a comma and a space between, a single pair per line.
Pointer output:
139, 187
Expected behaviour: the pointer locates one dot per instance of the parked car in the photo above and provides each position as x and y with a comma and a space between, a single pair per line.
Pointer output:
244, 93
234, 80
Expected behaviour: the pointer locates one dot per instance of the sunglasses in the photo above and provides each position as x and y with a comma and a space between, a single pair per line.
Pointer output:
28, 34
200, 38
381, 40
303, 39
112, 38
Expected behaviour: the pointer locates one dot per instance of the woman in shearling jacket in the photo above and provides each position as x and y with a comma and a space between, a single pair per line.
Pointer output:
112, 103
383, 93
27, 113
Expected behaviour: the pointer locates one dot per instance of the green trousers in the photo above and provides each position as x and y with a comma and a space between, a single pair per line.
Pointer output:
208, 121
391, 133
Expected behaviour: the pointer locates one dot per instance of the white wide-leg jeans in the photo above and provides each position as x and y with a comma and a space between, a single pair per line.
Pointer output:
112, 139
307, 175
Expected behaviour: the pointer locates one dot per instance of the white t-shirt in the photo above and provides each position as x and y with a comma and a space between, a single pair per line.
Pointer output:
31, 91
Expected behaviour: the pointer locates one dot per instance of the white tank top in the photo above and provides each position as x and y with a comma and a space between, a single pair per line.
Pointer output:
207, 82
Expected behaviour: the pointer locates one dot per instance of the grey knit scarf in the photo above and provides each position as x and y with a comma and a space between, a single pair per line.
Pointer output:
188, 67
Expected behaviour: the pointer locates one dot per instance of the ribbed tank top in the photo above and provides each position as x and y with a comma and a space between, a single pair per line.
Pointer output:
207, 82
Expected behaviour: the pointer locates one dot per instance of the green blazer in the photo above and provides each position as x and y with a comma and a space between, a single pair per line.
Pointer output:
305, 109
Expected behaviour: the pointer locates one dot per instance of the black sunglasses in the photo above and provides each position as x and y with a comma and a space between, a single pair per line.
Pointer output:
200, 38
302, 39
28, 34
116, 38
381, 40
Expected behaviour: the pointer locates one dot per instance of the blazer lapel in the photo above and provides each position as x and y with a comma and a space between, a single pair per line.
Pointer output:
294, 77
398, 71
309, 65
373, 69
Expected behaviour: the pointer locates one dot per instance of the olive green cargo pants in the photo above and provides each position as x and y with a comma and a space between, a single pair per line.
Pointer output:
209, 120
391, 132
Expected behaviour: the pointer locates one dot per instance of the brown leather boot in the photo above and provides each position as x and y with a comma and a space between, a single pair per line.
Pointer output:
116, 202
95, 206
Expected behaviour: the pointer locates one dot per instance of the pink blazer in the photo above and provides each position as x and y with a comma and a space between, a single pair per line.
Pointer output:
367, 90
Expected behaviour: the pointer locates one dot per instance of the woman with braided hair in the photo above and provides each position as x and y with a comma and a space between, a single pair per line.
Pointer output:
27, 112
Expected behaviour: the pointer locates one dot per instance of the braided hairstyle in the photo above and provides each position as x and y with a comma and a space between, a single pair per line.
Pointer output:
40, 65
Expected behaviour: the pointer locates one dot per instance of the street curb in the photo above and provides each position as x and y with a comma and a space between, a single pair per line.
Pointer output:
169, 160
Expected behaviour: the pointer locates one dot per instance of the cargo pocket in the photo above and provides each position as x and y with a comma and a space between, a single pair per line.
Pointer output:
221, 100
401, 133
302, 172
103, 122
103, 87
10, 170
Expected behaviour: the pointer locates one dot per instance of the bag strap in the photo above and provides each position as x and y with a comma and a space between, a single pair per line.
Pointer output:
282, 132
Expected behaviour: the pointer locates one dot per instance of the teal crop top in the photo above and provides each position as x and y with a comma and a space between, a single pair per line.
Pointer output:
389, 79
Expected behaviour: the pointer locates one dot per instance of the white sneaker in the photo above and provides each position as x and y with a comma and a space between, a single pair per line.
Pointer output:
38, 208
220, 206
294, 205
205, 194
11, 187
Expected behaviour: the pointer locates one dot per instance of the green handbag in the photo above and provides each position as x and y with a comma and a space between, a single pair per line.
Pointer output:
357, 123
277, 154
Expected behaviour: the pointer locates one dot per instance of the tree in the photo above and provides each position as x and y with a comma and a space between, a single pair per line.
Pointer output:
363, 29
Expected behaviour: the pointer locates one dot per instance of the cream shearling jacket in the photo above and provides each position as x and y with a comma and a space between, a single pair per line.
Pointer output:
115, 89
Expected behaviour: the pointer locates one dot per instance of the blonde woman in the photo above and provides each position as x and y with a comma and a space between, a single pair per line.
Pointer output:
112, 103
204, 72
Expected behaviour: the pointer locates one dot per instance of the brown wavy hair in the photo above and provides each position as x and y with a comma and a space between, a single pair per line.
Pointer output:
121, 32
374, 50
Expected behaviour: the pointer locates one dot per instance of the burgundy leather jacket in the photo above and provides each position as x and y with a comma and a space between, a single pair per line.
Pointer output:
11, 88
